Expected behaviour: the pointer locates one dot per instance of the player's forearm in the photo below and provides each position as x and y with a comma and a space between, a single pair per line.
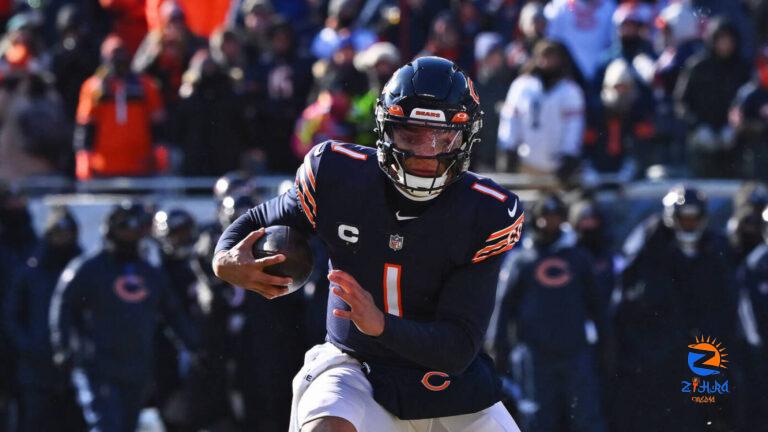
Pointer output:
281, 210
442, 345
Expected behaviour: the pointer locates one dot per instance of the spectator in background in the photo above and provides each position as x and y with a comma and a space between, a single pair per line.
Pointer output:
16, 233
680, 39
119, 119
470, 21
591, 226
210, 128
110, 302
203, 17
74, 57
17, 243
680, 30
533, 28
258, 21
753, 308
633, 23
415, 18
620, 132
547, 274
35, 138
745, 226
340, 24
542, 121
175, 231
340, 69
165, 52
226, 48
286, 74
585, 27
678, 270
47, 398
758, 11
379, 61
444, 39
129, 21
22, 47
749, 118
704, 93
493, 80
324, 119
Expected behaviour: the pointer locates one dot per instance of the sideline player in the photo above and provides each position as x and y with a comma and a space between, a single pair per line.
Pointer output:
414, 243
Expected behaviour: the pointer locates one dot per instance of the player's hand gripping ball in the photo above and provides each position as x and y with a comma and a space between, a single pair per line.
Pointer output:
299, 260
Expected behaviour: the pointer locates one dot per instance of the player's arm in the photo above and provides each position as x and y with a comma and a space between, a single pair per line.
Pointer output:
451, 342
453, 339
448, 344
297, 208
67, 303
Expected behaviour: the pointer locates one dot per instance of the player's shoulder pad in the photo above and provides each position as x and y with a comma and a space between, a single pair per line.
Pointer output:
332, 157
500, 217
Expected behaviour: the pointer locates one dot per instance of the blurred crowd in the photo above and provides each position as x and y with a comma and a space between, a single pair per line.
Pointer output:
590, 332
578, 89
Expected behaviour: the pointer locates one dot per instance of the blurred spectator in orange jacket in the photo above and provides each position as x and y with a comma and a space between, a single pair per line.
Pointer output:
129, 20
203, 16
118, 119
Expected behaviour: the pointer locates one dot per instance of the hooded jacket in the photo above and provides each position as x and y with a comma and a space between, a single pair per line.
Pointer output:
708, 84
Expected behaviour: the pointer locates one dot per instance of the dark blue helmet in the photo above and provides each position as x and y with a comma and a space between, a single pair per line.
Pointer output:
428, 117
685, 211
176, 231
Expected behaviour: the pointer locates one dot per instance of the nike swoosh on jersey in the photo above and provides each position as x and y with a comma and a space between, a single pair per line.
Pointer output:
404, 218
513, 211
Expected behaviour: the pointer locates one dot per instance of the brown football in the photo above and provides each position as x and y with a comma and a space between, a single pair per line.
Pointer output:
299, 259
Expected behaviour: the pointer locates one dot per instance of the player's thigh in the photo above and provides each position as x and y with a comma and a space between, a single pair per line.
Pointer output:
328, 424
343, 392
495, 418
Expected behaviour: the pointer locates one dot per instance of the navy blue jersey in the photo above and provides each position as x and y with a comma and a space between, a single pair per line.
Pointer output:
753, 278
434, 275
104, 314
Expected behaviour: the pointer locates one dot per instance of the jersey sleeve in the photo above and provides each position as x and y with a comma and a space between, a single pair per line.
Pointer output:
501, 223
296, 208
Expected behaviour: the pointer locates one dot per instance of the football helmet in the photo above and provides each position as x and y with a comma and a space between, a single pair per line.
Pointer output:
176, 231
685, 212
427, 120
125, 226
233, 206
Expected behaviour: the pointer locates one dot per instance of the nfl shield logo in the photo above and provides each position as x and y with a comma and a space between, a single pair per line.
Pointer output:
395, 242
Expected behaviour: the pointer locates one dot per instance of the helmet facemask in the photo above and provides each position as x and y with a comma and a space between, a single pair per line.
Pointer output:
423, 157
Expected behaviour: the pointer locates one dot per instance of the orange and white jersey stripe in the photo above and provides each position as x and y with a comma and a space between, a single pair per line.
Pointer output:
503, 239
306, 190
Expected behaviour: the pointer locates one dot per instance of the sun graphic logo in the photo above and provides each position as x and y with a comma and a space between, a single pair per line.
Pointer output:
707, 356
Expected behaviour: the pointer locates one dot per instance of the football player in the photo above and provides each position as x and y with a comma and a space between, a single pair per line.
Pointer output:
414, 243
